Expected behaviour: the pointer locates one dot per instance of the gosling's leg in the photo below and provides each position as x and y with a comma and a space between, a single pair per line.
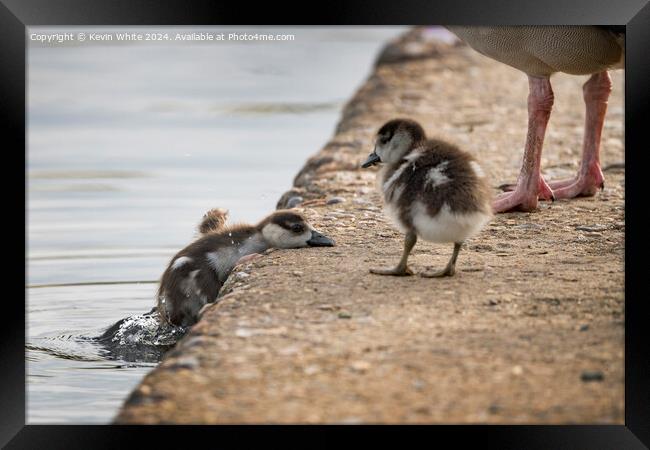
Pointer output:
401, 269
448, 271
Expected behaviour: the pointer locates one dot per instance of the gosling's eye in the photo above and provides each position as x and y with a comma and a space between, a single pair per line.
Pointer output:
383, 140
297, 228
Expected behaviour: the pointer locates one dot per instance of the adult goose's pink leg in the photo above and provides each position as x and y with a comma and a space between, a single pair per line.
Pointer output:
590, 178
530, 183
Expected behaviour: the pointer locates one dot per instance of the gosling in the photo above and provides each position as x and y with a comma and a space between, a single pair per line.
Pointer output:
197, 272
431, 190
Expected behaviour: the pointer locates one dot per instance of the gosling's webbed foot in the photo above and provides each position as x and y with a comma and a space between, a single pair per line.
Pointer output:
446, 272
450, 268
396, 271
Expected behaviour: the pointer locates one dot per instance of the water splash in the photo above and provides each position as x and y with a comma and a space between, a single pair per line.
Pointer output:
145, 329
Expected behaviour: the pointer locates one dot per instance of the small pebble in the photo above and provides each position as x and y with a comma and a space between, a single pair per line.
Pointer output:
352, 420
326, 307
185, 362
335, 200
294, 201
418, 385
360, 366
494, 409
591, 228
290, 350
311, 369
244, 332
196, 341
529, 226
592, 375
482, 247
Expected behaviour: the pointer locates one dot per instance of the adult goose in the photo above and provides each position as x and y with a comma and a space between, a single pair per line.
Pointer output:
539, 52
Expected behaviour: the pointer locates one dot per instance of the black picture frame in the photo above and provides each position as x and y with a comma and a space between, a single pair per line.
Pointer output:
16, 15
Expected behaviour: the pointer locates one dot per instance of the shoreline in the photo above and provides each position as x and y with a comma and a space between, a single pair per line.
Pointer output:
536, 308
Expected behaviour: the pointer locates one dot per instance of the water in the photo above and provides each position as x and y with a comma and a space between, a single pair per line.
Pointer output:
128, 145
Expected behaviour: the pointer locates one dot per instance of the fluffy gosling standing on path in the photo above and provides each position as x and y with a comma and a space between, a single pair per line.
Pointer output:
431, 189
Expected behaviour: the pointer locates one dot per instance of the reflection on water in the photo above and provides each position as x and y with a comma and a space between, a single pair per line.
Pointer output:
128, 145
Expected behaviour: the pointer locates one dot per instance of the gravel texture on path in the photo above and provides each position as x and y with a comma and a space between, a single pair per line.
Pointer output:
530, 330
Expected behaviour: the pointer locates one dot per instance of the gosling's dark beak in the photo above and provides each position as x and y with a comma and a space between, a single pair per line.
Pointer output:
372, 160
319, 240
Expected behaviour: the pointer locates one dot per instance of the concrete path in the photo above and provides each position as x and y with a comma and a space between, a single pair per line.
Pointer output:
531, 330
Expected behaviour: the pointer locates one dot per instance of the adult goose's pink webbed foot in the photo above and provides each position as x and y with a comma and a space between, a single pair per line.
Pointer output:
590, 178
585, 184
544, 191
522, 199
530, 184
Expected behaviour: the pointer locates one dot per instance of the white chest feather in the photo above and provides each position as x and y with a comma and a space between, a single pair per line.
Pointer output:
446, 226
224, 259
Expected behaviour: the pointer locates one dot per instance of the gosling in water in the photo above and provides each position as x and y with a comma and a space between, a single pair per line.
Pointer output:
197, 272
431, 190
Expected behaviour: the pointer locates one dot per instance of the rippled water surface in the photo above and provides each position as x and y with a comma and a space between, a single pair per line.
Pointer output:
128, 145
